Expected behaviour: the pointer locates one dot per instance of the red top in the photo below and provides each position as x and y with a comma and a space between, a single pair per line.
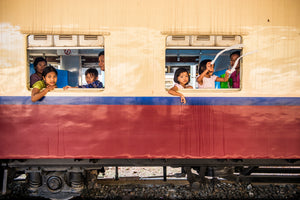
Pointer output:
235, 79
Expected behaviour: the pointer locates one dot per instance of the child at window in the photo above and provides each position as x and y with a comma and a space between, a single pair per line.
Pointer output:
91, 77
181, 79
42, 87
206, 79
39, 65
236, 74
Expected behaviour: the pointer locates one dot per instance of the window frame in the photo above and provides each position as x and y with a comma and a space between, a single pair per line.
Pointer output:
92, 44
210, 42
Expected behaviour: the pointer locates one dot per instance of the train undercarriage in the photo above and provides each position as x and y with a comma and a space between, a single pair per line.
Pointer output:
65, 178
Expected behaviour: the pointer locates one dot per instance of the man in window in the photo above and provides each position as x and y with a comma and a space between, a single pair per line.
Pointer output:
102, 67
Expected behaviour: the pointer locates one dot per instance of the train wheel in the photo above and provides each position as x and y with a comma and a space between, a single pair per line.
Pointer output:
55, 184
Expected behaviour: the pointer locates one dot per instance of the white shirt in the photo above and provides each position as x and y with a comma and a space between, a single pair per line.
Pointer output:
180, 87
102, 77
208, 82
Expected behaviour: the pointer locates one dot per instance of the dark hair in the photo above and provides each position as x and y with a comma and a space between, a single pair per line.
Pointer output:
48, 70
178, 72
101, 53
37, 60
235, 52
92, 71
202, 66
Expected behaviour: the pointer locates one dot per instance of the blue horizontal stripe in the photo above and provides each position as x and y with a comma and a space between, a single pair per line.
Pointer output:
74, 100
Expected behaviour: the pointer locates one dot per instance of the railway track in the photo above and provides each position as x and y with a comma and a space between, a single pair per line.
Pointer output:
265, 183
180, 188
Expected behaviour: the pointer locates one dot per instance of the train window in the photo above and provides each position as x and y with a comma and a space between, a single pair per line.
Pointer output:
71, 55
188, 51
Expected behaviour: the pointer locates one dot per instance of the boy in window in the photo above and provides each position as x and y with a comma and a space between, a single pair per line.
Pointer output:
91, 77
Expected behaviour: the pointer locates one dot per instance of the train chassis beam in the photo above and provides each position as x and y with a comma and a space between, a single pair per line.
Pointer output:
96, 163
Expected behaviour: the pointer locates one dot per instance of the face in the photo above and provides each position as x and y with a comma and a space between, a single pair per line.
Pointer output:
40, 67
210, 68
90, 78
183, 78
50, 79
233, 58
101, 62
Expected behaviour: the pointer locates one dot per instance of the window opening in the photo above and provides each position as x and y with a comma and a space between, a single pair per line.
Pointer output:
201, 47
70, 59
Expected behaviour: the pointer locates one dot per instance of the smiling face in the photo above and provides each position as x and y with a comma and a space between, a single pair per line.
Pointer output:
101, 62
183, 78
90, 78
50, 79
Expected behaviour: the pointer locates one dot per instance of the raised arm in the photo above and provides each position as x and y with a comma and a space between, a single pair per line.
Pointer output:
225, 79
209, 67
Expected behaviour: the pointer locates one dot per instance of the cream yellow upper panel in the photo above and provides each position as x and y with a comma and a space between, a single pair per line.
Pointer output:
135, 34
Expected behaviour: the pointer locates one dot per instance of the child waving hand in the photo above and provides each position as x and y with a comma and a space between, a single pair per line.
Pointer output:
206, 79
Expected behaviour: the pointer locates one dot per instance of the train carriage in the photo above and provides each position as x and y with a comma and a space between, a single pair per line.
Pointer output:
133, 120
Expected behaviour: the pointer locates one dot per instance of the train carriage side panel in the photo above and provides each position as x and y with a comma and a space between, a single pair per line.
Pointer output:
135, 117
119, 127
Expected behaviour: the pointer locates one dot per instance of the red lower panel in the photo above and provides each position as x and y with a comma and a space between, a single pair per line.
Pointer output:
138, 131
